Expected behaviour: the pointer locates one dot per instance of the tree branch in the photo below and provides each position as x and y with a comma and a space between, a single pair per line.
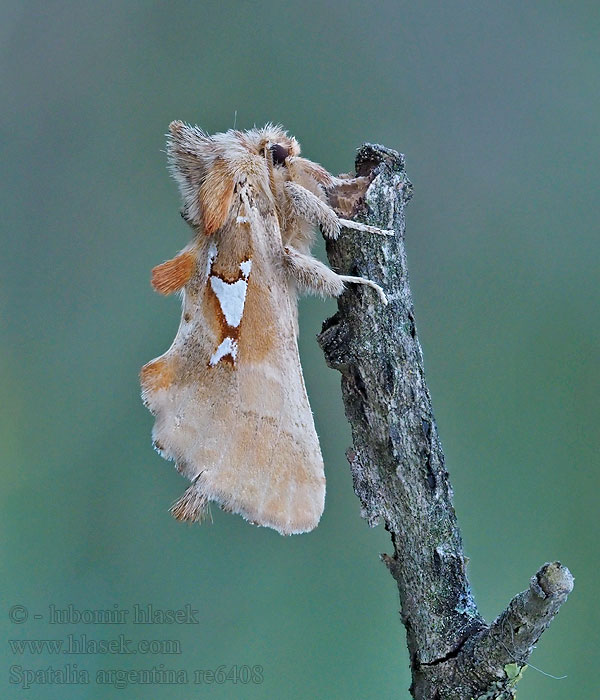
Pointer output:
397, 461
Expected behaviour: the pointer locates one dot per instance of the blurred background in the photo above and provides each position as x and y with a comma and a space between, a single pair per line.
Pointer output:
496, 107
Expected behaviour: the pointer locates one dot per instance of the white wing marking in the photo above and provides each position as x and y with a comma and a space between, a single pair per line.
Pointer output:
232, 298
227, 347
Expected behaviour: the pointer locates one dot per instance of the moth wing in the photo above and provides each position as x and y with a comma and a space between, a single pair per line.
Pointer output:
230, 402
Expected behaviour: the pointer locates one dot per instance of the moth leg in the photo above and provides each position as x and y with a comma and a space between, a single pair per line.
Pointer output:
308, 206
312, 276
365, 228
368, 283
173, 274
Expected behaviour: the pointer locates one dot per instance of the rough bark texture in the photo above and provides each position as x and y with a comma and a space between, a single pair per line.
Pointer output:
397, 461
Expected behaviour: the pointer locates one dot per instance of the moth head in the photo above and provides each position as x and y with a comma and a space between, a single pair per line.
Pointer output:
272, 143
282, 152
206, 167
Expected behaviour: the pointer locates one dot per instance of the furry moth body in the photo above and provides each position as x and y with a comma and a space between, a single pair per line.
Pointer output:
228, 396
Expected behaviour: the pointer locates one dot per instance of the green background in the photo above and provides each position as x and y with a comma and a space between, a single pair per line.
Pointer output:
495, 105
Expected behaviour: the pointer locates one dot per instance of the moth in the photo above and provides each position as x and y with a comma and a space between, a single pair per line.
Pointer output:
228, 395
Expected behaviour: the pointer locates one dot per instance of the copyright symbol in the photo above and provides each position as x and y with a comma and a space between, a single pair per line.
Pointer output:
18, 614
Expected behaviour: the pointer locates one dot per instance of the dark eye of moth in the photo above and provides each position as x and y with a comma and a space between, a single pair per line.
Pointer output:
279, 153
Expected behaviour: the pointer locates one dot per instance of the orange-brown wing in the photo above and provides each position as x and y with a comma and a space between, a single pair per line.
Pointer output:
229, 398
